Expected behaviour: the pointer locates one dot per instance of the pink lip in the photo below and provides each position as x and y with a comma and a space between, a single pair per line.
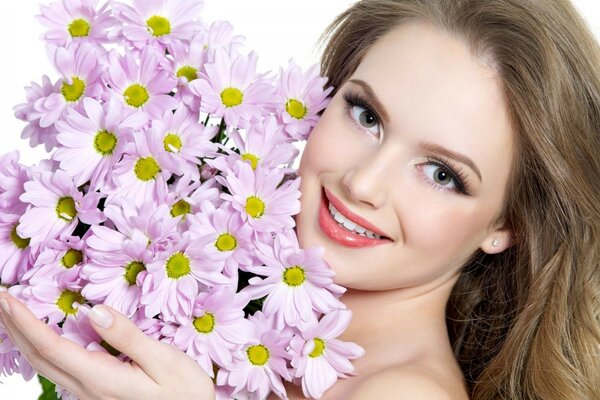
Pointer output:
340, 234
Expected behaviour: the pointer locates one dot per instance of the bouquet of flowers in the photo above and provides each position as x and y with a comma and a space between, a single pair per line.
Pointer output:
169, 196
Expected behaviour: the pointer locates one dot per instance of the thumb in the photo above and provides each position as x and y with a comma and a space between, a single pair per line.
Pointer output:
154, 357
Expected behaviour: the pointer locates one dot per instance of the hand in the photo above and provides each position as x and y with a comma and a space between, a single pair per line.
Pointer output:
158, 370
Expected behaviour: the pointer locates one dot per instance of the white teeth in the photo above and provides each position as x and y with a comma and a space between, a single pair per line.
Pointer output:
350, 225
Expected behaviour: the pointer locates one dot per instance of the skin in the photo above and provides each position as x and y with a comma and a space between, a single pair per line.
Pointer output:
433, 90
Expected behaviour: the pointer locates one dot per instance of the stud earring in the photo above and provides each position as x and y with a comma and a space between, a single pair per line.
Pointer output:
495, 243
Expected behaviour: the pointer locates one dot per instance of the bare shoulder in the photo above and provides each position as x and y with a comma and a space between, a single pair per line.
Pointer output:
402, 383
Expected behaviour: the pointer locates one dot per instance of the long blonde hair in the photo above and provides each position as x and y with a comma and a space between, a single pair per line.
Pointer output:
524, 324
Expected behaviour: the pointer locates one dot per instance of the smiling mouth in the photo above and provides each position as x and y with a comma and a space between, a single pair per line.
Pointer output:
358, 229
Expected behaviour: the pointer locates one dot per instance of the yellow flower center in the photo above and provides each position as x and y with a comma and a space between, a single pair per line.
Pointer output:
136, 95
188, 71
205, 324
178, 265
105, 143
294, 276
182, 207
258, 354
158, 26
295, 108
232, 97
65, 208
255, 207
146, 169
319, 348
79, 28
71, 258
17, 240
74, 91
66, 299
226, 242
172, 143
252, 158
132, 270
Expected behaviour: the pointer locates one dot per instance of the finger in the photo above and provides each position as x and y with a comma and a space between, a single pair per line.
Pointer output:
39, 364
156, 358
96, 372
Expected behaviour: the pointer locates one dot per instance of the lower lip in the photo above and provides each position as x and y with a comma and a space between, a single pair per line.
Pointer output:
340, 234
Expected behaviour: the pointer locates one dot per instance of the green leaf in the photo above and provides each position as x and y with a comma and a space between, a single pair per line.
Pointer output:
48, 389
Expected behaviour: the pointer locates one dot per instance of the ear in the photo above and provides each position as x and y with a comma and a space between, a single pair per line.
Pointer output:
497, 241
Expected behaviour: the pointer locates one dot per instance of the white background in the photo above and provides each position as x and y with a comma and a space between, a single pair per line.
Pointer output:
277, 29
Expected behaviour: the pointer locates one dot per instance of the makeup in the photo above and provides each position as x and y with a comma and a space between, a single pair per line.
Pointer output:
342, 235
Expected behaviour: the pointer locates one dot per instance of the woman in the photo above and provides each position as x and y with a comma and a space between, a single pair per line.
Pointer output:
465, 135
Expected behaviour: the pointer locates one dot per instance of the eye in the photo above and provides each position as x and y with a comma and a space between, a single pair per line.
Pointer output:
365, 118
440, 176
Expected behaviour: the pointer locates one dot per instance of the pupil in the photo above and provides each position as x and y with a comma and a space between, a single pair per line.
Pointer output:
368, 119
442, 176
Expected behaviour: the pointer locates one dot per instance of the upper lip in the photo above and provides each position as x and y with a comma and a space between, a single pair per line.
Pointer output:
352, 216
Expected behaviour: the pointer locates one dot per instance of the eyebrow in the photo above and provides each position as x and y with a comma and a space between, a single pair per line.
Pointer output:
379, 108
435, 148
432, 147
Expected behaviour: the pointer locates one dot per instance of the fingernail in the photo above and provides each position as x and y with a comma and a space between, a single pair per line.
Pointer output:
101, 316
5, 306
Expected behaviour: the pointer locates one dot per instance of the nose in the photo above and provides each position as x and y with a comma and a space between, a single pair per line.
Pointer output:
368, 183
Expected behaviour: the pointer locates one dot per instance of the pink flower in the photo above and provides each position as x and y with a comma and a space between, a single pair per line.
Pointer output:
56, 207
298, 282
158, 22
215, 328
78, 65
140, 174
60, 261
144, 86
231, 90
116, 268
15, 250
187, 197
257, 369
11, 359
183, 141
299, 98
264, 144
175, 279
93, 142
13, 176
26, 112
256, 195
219, 36
319, 358
76, 20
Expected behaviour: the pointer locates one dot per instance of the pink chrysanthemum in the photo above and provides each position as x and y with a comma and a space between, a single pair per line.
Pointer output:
15, 250
11, 359
319, 358
256, 195
60, 260
56, 208
228, 239
93, 142
116, 268
218, 36
26, 112
183, 141
13, 176
158, 23
175, 279
215, 328
78, 65
231, 90
257, 369
298, 283
187, 197
140, 175
144, 86
299, 98
76, 21
263, 145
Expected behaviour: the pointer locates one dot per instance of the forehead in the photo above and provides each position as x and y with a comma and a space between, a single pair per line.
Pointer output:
433, 87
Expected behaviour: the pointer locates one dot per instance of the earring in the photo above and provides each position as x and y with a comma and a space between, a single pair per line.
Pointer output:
495, 243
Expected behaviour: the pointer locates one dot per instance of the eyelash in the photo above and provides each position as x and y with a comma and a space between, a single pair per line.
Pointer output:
461, 181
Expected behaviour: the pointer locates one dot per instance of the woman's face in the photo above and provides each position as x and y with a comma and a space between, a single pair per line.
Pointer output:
417, 146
